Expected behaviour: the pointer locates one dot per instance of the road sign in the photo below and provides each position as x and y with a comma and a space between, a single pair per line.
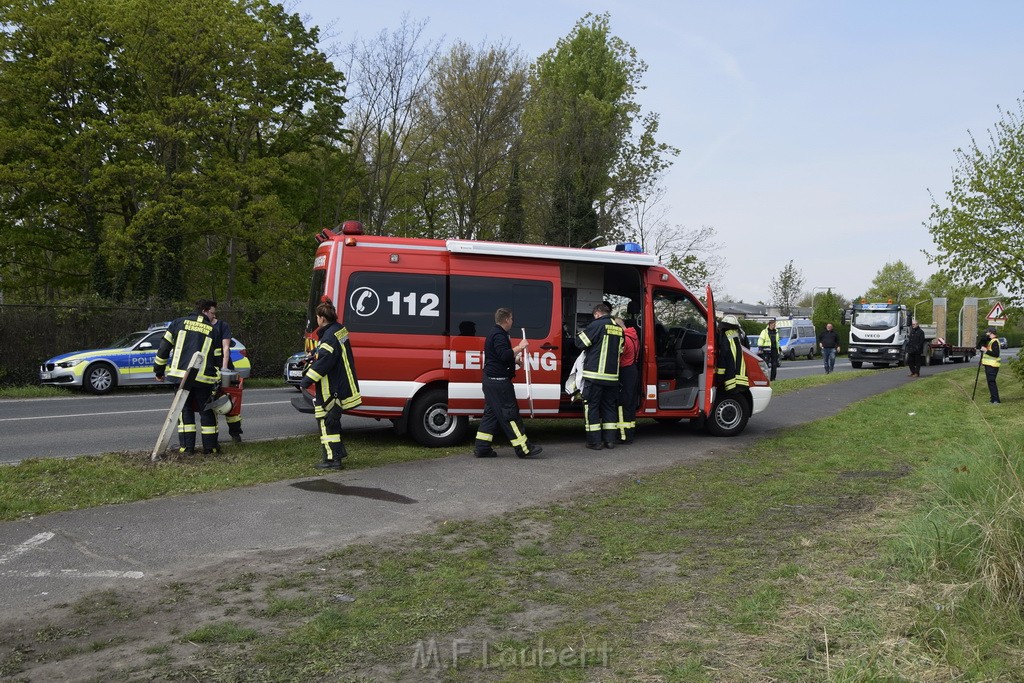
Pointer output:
998, 322
996, 313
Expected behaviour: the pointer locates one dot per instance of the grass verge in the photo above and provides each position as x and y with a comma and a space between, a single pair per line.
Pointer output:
840, 551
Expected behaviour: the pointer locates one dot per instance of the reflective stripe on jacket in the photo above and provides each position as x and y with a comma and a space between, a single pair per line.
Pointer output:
333, 369
183, 338
602, 340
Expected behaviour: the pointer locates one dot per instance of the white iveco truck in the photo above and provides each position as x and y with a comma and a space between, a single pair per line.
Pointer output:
878, 334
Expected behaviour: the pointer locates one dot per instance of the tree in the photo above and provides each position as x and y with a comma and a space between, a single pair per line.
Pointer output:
693, 255
390, 77
828, 308
578, 117
786, 287
154, 142
979, 231
474, 110
895, 281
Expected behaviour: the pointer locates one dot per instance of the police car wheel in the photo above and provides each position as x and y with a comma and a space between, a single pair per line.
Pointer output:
430, 423
728, 416
99, 378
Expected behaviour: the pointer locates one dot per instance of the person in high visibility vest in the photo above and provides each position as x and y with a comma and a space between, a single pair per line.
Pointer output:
990, 359
602, 343
768, 342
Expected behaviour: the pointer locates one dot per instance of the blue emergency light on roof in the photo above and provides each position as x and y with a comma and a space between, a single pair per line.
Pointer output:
629, 248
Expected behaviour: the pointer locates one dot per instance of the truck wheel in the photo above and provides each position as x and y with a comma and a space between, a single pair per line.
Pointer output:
856, 364
728, 416
791, 355
99, 378
810, 355
431, 425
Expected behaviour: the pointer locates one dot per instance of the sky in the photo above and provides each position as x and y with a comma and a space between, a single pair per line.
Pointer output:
809, 131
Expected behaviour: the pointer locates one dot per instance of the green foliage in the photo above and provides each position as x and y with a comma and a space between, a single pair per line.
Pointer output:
828, 309
473, 121
157, 146
895, 282
786, 288
979, 230
576, 125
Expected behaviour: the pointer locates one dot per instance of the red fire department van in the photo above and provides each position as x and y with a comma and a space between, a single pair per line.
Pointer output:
418, 310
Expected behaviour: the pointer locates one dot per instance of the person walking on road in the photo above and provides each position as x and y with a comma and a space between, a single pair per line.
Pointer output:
629, 382
768, 342
333, 372
990, 360
501, 410
183, 338
829, 343
915, 349
602, 342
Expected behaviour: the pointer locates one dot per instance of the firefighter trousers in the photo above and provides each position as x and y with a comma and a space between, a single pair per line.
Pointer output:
600, 405
501, 411
629, 378
198, 396
328, 418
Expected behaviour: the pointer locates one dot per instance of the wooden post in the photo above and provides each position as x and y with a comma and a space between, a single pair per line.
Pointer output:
176, 405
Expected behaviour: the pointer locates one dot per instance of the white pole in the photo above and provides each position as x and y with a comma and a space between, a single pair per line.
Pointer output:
529, 383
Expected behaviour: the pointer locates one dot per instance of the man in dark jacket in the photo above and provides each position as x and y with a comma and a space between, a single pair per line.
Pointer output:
602, 343
184, 338
829, 342
915, 349
333, 371
501, 411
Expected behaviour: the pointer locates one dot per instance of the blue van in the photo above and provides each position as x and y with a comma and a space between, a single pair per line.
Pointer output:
796, 338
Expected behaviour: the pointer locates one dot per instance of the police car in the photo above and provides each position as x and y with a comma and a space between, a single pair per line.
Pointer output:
127, 362
295, 367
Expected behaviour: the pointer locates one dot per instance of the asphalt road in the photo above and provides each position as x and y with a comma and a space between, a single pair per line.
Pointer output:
59, 558
130, 420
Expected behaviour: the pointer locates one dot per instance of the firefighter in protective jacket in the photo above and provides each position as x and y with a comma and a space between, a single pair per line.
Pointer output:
183, 338
333, 372
602, 343
732, 366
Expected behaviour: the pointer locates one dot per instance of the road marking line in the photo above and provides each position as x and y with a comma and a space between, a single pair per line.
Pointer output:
75, 574
120, 412
23, 548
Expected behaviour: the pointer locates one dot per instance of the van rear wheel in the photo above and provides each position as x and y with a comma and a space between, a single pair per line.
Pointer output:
431, 424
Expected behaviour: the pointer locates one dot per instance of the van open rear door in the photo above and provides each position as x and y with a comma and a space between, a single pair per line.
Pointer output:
707, 398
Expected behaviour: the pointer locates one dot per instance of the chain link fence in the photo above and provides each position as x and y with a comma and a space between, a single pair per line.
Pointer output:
31, 334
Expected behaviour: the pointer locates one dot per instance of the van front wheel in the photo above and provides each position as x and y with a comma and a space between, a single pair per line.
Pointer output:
430, 423
728, 416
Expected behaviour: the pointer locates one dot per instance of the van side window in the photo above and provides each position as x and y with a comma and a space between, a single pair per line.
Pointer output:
396, 303
474, 300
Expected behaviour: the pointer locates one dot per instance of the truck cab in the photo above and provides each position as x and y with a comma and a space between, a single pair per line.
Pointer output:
878, 334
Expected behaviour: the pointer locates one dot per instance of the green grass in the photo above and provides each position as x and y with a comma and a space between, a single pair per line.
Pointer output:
857, 548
